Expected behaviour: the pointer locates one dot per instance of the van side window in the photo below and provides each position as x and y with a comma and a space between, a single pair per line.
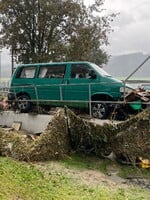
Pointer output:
52, 71
26, 72
79, 71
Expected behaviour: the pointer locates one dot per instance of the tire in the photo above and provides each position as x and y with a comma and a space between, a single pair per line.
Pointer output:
23, 103
99, 110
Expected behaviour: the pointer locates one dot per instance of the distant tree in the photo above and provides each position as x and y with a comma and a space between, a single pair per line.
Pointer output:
54, 30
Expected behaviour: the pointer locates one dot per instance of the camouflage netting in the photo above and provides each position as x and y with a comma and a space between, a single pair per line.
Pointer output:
69, 132
133, 137
87, 136
53, 142
14, 144
130, 138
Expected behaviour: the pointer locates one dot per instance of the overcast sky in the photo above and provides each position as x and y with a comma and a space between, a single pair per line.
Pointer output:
131, 26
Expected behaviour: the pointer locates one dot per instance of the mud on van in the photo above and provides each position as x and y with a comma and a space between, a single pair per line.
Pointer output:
74, 84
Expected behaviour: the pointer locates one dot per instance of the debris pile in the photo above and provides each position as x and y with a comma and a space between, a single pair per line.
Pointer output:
52, 143
89, 137
14, 144
138, 94
67, 132
133, 137
130, 138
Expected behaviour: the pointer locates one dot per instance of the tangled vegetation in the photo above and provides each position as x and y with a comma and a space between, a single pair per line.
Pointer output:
67, 132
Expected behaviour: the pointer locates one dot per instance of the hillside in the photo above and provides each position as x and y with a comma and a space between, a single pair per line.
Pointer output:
123, 65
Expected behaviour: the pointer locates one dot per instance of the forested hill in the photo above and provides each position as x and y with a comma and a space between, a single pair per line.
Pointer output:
123, 65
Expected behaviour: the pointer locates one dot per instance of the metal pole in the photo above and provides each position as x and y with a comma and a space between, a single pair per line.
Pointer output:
137, 68
12, 60
60, 92
90, 106
134, 73
37, 99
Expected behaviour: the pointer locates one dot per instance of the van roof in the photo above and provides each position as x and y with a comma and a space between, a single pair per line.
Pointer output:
57, 63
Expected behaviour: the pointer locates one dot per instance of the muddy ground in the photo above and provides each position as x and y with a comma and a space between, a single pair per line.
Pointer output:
95, 177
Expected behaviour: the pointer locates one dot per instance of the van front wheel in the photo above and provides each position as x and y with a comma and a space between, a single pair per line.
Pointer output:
23, 103
99, 110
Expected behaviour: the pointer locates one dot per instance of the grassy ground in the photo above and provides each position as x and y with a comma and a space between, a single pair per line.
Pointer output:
63, 180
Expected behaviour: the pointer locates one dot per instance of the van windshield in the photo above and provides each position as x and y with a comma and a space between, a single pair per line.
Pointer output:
100, 70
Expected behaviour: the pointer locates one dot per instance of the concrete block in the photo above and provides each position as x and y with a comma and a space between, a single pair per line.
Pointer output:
34, 123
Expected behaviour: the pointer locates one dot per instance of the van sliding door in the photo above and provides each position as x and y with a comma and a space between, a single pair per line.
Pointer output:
50, 78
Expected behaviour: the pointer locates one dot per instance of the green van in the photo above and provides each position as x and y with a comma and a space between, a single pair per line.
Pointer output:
74, 84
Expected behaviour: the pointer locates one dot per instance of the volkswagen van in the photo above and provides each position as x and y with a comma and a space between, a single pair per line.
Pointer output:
74, 84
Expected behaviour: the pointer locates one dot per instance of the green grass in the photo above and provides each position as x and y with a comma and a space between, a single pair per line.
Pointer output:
24, 181
82, 162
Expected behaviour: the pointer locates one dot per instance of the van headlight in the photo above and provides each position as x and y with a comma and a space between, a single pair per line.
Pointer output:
126, 90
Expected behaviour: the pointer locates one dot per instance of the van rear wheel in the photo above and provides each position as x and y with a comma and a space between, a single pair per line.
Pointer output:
99, 110
23, 103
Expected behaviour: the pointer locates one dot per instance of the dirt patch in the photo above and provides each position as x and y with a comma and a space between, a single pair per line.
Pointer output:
94, 177
85, 176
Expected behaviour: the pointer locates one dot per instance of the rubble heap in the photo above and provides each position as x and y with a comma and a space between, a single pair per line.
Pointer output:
133, 137
130, 138
67, 131
52, 143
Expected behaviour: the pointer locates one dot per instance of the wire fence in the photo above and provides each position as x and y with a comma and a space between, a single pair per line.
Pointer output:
60, 100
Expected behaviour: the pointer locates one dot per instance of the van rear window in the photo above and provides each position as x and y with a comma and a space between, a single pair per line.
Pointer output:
26, 72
